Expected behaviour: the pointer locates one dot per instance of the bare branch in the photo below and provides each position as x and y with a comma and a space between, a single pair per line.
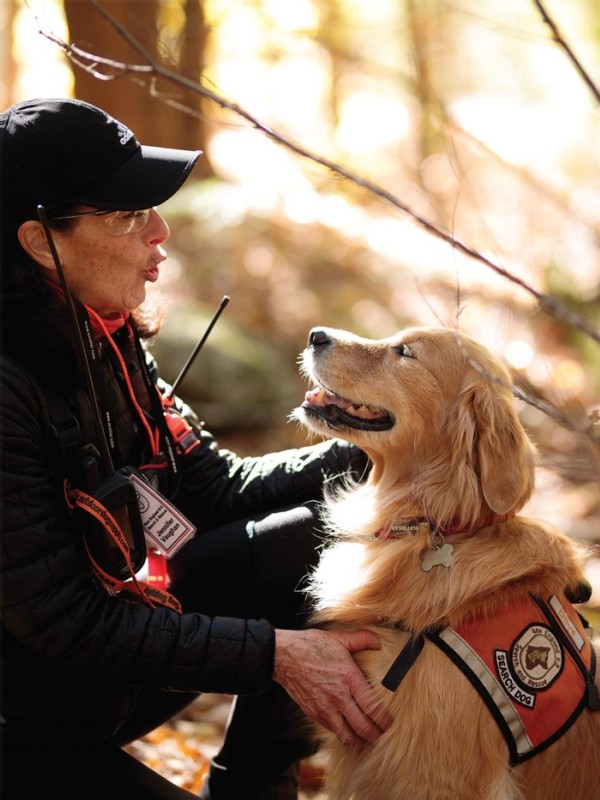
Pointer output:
547, 303
90, 61
561, 42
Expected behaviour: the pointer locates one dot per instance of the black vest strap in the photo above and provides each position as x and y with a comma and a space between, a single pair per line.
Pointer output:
408, 655
80, 458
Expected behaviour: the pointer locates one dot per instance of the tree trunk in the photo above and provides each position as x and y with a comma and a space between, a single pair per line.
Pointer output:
137, 101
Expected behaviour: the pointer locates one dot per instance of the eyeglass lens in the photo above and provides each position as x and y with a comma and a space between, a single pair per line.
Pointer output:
124, 222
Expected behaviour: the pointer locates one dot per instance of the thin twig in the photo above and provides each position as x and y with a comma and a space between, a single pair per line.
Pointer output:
561, 42
547, 303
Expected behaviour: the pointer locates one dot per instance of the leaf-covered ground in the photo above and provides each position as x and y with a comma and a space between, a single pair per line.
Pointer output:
181, 750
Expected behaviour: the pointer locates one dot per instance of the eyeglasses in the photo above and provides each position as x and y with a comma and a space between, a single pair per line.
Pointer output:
119, 223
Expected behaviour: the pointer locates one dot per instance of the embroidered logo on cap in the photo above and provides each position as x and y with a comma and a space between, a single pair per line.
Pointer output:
124, 133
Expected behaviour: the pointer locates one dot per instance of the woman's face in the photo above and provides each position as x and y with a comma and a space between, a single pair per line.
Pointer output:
106, 272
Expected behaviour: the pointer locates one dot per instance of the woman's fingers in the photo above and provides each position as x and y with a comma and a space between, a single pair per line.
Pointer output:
318, 672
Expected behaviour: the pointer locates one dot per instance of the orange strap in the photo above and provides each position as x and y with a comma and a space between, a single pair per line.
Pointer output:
152, 595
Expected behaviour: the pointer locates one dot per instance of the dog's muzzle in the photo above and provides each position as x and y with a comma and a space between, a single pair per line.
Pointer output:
324, 407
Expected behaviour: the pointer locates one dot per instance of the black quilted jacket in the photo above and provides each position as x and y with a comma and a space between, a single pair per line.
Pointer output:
75, 657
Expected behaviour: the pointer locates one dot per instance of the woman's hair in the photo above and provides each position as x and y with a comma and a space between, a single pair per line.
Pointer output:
36, 328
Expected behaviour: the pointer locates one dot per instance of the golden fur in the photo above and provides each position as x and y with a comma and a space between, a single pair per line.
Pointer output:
453, 451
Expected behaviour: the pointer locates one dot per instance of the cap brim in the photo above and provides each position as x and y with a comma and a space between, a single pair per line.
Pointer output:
147, 179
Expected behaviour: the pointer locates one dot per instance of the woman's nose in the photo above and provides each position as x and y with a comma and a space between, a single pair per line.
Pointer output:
157, 229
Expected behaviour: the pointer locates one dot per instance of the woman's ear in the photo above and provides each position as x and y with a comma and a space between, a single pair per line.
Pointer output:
33, 240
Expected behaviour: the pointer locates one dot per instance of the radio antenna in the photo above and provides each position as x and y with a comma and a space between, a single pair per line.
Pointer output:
198, 347
107, 462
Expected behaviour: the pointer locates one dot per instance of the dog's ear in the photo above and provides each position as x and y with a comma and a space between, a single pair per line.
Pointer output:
505, 454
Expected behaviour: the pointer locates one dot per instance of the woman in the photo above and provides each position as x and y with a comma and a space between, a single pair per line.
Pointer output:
89, 664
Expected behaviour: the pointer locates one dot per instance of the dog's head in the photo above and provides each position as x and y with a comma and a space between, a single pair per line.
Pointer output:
434, 411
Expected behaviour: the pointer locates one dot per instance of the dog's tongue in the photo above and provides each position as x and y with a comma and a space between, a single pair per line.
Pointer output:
321, 399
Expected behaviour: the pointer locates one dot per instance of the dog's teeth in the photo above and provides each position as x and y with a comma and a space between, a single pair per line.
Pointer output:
364, 411
316, 397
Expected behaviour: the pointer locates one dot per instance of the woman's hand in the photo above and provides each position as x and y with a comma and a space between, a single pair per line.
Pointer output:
317, 670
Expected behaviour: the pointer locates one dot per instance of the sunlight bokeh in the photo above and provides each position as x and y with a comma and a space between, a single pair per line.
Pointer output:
469, 114
43, 71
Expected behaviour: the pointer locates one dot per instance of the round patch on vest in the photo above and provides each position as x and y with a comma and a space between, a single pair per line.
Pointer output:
533, 663
536, 657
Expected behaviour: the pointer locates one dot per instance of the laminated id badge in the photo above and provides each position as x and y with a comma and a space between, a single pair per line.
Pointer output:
165, 528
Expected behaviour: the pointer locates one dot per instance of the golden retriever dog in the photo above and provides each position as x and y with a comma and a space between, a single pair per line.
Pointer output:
485, 666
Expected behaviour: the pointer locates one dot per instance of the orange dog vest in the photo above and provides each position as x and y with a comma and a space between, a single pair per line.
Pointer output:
532, 664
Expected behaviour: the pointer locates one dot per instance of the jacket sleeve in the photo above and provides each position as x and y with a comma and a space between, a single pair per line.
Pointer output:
219, 486
52, 605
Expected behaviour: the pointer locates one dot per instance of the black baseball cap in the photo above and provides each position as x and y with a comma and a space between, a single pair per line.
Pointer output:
59, 152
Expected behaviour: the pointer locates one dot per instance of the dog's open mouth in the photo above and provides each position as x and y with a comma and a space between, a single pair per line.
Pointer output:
338, 412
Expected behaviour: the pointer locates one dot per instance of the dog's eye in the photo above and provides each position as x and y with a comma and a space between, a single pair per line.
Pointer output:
404, 350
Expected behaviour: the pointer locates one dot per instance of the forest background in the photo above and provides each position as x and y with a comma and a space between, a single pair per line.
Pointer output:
369, 166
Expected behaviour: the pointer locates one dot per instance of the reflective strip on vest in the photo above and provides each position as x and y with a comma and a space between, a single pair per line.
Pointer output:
530, 663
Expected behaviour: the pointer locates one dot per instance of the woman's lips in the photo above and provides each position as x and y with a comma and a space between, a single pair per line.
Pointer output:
151, 274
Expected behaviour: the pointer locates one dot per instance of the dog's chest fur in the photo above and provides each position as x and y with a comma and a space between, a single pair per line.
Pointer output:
439, 716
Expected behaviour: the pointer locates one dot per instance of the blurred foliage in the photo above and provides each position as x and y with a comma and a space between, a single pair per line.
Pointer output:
468, 112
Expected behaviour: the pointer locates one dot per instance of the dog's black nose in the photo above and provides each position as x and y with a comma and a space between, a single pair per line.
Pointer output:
318, 338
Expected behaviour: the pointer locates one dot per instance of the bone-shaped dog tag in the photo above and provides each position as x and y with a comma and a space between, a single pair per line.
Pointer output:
440, 556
